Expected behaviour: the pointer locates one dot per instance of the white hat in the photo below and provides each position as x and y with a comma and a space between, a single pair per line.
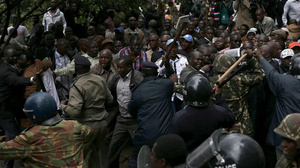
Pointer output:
287, 53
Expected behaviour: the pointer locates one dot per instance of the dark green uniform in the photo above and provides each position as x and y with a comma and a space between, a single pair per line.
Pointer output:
235, 91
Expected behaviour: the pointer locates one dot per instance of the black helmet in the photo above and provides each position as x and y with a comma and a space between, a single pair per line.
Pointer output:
222, 149
295, 66
39, 107
196, 89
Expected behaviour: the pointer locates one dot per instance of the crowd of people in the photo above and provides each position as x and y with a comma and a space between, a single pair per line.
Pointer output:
75, 95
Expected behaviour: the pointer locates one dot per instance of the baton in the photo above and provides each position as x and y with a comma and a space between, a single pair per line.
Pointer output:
174, 41
228, 72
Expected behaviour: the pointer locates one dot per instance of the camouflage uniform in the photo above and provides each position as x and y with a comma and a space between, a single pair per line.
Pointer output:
235, 91
49, 146
290, 129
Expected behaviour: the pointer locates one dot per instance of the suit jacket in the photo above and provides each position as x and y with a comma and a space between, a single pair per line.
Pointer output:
151, 103
10, 84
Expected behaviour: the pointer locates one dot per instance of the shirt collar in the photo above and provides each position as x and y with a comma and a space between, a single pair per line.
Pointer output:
127, 76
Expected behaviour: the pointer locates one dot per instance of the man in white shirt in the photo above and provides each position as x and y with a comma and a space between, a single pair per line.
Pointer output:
53, 15
291, 8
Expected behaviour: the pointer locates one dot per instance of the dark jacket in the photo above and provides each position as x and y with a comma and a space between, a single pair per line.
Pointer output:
136, 79
287, 92
195, 124
151, 104
10, 90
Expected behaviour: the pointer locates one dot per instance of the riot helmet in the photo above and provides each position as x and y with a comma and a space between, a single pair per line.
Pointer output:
295, 66
39, 107
222, 149
196, 89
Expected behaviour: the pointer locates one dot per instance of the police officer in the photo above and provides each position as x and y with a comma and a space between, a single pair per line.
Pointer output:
200, 117
224, 150
52, 141
290, 134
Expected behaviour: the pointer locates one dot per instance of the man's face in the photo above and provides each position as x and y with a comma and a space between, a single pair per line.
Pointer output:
220, 44
196, 61
210, 34
63, 49
242, 30
206, 55
289, 148
195, 21
23, 62
248, 48
11, 56
91, 30
135, 46
140, 23
285, 62
173, 52
221, 29
168, 24
105, 59
261, 41
251, 36
117, 46
94, 50
153, 42
53, 4
235, 42
163, 42
201, 24
185, 44
132, 22
122, 68
259, 16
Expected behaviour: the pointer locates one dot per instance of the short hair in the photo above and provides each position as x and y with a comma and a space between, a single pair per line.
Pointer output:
105, 50
172, 148
127, 59
61, 41
246, 26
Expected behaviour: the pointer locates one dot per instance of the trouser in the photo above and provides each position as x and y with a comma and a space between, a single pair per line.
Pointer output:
123, 134
91, 150
111, 123
11, 131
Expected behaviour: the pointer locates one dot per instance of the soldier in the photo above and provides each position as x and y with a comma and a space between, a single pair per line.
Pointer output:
52, 142
235, 91
289, 131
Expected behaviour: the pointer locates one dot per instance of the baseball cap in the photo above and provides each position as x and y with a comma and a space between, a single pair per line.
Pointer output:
252, 30
170, 41
188, 38
294, 44
106, 41
120, 29
287, 53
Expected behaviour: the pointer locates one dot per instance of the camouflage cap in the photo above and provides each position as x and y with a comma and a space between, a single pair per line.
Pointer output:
223, 62
290, 128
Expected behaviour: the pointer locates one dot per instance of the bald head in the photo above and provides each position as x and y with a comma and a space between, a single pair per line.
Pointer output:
267, 51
